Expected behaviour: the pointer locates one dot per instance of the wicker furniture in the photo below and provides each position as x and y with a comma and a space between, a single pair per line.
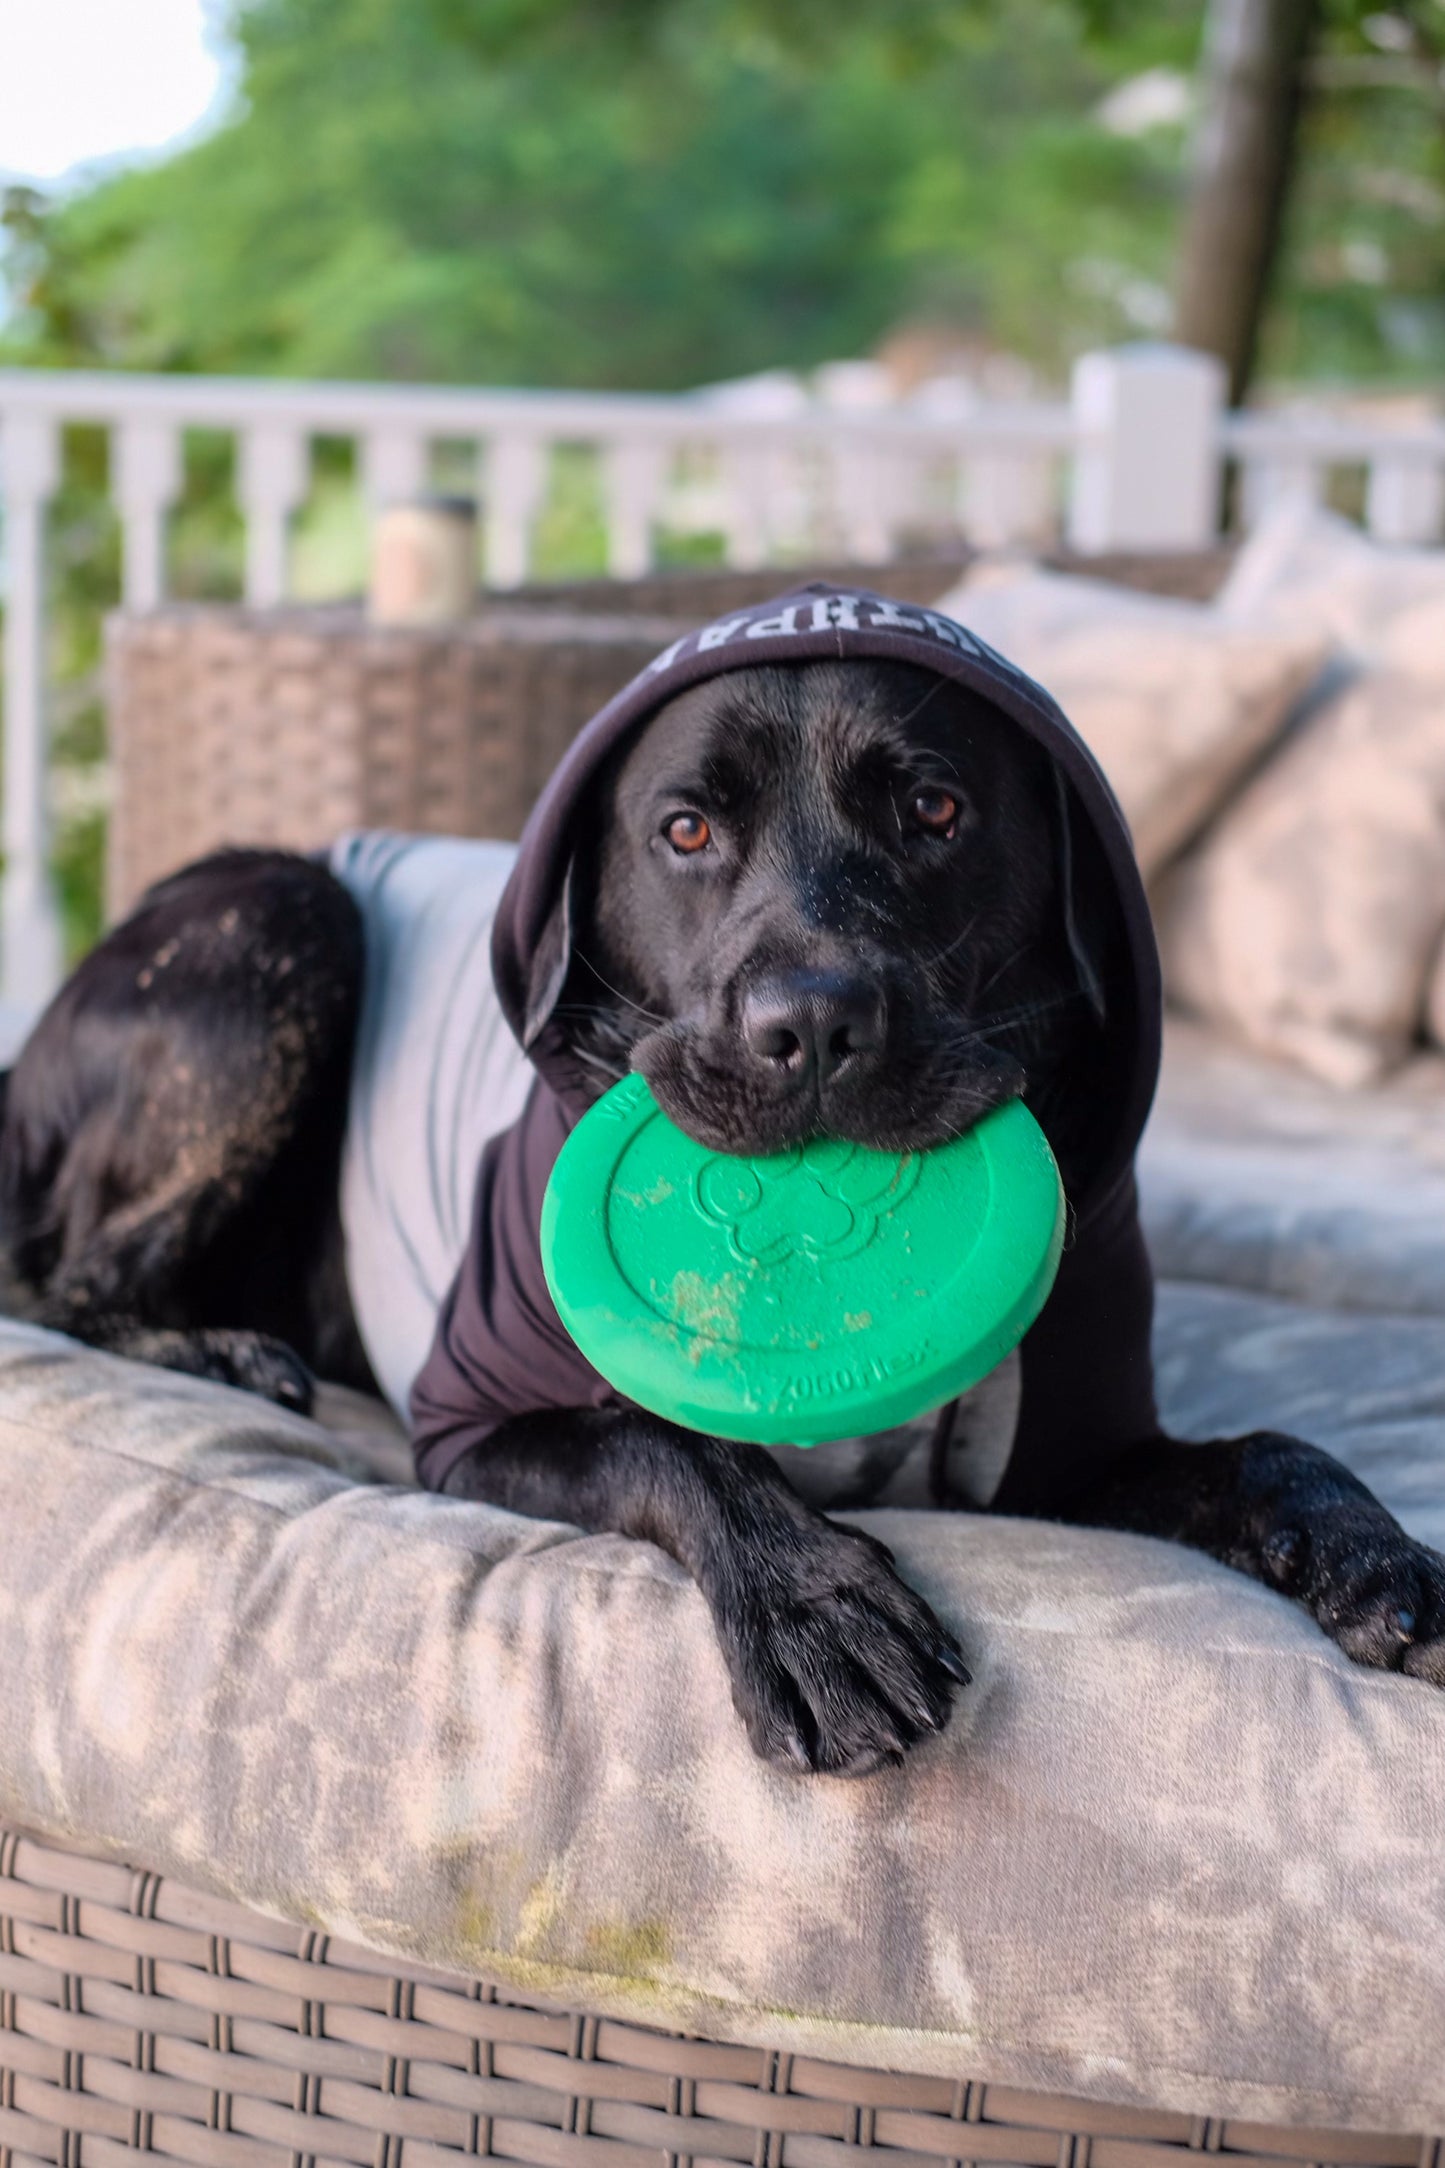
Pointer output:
1191, 575
139, 2016
290, 726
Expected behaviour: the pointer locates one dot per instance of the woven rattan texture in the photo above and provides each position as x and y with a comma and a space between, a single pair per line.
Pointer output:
695, 595
229, 726
232, 726
1190, 575
139, 2016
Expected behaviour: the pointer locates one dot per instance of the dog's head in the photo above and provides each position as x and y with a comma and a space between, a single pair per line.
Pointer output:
838, 898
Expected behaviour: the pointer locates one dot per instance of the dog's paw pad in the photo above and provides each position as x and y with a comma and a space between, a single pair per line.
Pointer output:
1380, 1595
837, 1667
261, 1365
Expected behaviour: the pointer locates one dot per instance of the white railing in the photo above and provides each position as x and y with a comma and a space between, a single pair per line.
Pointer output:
1132, 460
1292, 458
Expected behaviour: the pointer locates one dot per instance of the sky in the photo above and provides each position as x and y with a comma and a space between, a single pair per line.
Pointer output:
83, 81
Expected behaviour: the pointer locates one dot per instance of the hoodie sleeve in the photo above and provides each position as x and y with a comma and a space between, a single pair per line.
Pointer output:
500, 1348
1087, 1387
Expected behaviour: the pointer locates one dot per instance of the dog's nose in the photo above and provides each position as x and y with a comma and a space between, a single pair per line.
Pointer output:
806, 1024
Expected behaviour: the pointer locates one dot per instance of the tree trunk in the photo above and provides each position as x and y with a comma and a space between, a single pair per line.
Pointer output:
1254, 66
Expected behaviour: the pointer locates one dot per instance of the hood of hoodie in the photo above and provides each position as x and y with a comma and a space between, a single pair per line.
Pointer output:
824, 623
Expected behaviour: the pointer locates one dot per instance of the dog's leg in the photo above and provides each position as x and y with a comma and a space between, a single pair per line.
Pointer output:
251, 1360
1290, 1516
835, 1665
121, 1289
172, 1129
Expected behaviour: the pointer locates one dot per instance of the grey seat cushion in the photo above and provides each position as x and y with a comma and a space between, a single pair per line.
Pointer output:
1173, 1849
1254, 1175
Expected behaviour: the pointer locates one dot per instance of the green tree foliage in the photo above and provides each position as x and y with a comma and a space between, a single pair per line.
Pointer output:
657, 192
646, 194
1361, 296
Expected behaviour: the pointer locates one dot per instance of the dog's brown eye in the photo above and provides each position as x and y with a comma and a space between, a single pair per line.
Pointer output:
688, 832
935, 810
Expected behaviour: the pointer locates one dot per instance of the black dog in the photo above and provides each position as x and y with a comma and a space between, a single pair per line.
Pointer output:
845, 898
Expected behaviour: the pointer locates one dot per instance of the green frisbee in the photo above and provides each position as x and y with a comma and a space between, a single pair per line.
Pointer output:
818, 1293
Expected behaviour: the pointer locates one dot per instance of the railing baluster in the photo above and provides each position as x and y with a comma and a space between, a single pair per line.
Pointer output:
145, 481
1405, 500
863, 493
393, 466
745, 485
30, 938
796, 510
1279, 483
1006, 499
273, 472
633, 471
516, 478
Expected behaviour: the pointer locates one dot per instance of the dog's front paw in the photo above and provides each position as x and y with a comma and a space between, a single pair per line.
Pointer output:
262, 1365
1374, 1590
251, 1360
836, 1666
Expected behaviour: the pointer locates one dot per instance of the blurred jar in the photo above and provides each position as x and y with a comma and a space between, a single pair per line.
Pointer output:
424, 562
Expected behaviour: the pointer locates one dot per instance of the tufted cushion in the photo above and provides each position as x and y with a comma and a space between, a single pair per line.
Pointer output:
1307, 919
1259, 1177
1173, 1849
1306, 922
1174, 701
1310, 569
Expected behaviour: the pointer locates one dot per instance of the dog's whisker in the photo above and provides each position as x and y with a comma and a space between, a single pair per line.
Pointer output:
978, 1037
994, 976
940, 955
919, 705
651, 1014
1026, 1013
598, 1062
587, 1008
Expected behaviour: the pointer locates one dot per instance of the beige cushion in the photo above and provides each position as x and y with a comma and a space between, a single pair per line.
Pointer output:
1259, 1176
1310, 569
1173, 701
1307, 920
1174, 1850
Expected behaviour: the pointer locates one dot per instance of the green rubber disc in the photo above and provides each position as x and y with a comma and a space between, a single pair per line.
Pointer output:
819, 1293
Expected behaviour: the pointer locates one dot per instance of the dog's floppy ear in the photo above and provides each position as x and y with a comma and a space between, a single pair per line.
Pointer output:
551, 961
1084, 925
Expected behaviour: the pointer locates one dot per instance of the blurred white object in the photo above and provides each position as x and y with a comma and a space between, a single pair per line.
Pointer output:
424, 562
853, 387
772, 395
85, 81
17, 1021
1159, 98
1146, 476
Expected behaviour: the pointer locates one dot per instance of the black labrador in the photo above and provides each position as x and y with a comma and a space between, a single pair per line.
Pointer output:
822, 898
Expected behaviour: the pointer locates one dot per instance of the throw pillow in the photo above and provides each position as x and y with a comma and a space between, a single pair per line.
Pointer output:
1175, 701
1306, 568
1307, 920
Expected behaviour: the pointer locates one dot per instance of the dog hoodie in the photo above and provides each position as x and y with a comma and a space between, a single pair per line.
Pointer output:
454, 1127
